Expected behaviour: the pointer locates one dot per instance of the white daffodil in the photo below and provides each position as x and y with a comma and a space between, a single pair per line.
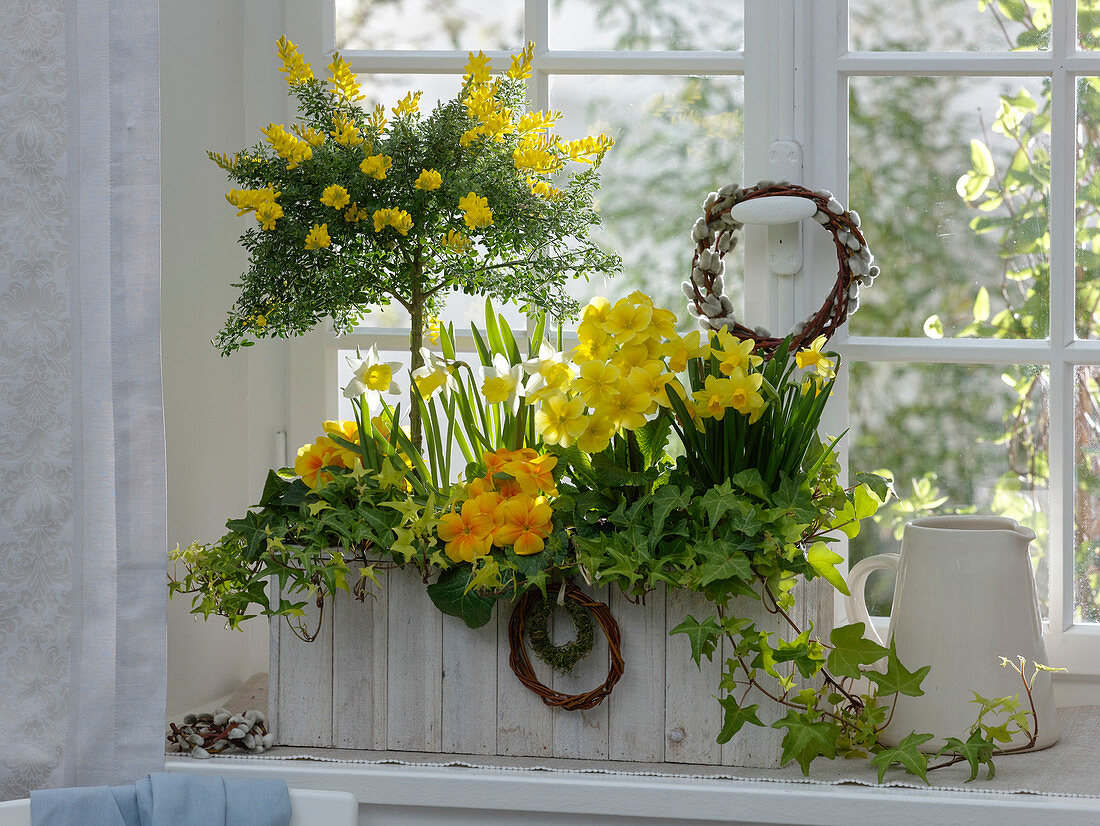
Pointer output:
548, 371
371, 377
502, 383
436, 373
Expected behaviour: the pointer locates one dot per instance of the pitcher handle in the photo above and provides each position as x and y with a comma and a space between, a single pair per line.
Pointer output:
856, 604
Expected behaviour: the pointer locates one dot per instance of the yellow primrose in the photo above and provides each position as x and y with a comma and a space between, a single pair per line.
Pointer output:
318, 237
680, 349
663, 323
376, 166
595, 347
313, 459
650, 378
596, 310
734, 354
526, 522
535, 475
628, 321
631, 356
335, 196
813, 357
560, 419
626, 408
428, 179
466, 534
597, 382
597, 434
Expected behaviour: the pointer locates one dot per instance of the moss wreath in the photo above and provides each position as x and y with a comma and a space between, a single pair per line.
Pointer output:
562, 657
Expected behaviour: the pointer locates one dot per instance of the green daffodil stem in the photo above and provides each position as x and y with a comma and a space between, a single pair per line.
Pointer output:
416, 340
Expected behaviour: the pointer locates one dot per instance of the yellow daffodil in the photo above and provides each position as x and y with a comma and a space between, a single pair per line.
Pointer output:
680, 349
502, 383
745, 395
435, 374
733, 353
347, 430
813, 357
475, 211
526, 522
714, 398
318, 237
428, 179
371, 377
335, 196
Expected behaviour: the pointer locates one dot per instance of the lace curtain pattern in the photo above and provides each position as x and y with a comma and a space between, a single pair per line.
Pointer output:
82, 482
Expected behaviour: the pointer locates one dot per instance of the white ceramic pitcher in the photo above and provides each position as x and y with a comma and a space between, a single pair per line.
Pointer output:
964, 598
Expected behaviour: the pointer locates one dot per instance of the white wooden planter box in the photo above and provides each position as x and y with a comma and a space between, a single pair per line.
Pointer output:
394, 674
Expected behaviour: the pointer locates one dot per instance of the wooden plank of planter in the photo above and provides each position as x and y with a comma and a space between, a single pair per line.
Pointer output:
303, 695
359, 639
414, 667
636, 708
692, 717
581, 734
525, 724
469, 687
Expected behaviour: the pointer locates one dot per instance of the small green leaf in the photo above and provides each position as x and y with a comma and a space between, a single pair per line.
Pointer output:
981, 305
898, 679
976, 751
824, 561
981, 158
933, 327
703, 636
905, 755
806, 740
851, 649
735, 718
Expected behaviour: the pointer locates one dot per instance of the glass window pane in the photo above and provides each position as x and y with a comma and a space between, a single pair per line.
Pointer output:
956, 439
947, 25
1086, 496
952, 176
646, 25
676, 139
1088, 24
1087, 213
428, 24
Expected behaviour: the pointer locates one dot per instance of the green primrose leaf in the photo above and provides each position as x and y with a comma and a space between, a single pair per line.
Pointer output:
451, 595
905, 755
898, 679
703, 636
851, 649
735, 717
806, 740
824, 561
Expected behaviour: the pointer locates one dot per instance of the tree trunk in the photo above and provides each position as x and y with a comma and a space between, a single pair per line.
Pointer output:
416, 341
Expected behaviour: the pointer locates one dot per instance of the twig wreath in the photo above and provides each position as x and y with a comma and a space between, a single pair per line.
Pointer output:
520, 663
715, 234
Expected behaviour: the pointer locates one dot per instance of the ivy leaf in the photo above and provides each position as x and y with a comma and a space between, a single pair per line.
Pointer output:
735, 717
879, 485
898, 679
824, 561
722, 561
665, 501
806, 654
450, 595
851, 649
752, 483
905, 755
806, 740
976, 751
703, 636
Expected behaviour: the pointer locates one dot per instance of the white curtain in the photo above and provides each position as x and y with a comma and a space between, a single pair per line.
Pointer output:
82, 478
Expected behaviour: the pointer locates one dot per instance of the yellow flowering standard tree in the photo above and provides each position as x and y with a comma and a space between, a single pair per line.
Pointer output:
359, 208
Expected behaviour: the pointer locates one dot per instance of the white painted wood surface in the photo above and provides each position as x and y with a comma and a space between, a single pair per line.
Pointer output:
392, 673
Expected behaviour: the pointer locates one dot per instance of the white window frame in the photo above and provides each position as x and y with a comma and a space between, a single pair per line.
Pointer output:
796, 66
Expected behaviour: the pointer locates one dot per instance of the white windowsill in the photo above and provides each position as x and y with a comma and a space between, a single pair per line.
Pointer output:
392, 794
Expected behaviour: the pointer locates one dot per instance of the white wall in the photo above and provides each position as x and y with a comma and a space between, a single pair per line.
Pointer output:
220, 413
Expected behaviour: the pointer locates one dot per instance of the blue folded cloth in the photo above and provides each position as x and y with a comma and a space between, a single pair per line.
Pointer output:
167, 800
